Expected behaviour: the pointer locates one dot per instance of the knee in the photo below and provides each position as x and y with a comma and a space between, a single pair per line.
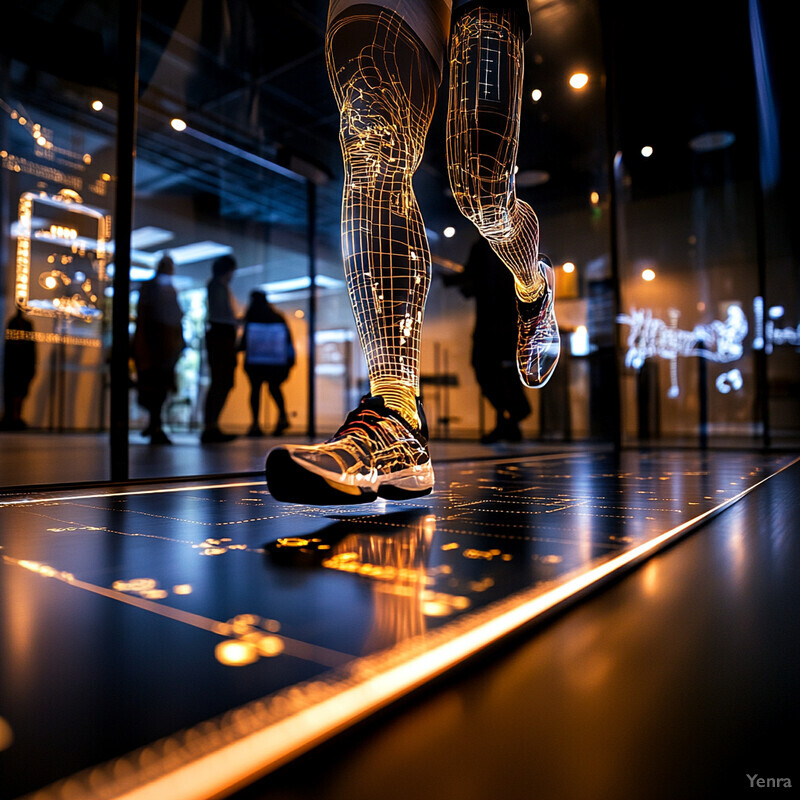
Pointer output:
377, 143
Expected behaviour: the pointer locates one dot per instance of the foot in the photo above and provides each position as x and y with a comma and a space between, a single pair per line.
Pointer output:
280, 426
158, 436
255, 431
216, 436
505, 431
376, 453
538, 342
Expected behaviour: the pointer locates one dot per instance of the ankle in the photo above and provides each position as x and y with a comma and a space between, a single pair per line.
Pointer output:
402, 399
531, 293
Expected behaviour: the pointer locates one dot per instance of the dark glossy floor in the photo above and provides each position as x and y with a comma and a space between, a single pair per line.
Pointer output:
134, 622
70, 458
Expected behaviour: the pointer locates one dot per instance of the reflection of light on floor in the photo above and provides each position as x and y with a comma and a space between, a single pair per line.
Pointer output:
248, 649
235, 653
440, 604
6, 735
167, 490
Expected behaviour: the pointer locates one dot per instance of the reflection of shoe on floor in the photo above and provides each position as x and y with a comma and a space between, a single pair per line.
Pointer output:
375, 453
216, 436
538, 342
280, 426
159, 437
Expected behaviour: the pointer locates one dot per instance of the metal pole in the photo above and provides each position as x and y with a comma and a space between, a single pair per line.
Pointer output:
312, 308
608, 33
128, 72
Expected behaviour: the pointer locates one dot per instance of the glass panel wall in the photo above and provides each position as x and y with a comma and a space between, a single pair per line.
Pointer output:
57, 162
699, 147
232, 160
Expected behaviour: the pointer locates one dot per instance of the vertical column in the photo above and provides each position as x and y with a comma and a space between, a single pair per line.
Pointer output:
312, 307
128, 84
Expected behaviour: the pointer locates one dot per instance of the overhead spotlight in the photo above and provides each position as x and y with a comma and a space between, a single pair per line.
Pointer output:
178, 124
578, 80
647, 151
449, 232
648, 275
97, 105
568, 267
536, 95
595, 198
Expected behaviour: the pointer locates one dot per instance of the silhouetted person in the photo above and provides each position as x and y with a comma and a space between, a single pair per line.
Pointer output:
157, 345
268, 358
220, 345
19, 367
494, 339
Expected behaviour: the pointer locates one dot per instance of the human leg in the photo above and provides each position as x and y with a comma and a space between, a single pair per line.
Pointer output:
486, 69
386, 93
221, 350
256, 382
277, 395
384, 82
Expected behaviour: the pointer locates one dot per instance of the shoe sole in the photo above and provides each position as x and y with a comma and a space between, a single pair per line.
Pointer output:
289, 482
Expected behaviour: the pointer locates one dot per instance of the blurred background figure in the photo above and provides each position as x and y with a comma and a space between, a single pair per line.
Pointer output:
157, 345
494, 339
268, 358
221, 333
19, 367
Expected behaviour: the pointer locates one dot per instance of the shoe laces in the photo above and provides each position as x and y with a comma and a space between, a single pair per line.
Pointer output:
366, 419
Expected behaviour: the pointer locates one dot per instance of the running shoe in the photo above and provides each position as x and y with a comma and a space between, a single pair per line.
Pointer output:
376, 453
538, 340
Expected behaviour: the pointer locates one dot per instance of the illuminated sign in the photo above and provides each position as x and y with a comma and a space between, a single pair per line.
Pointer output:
62, 252
721, 341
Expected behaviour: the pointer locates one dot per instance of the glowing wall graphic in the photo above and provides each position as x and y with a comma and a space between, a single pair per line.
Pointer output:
720, 341
62, 251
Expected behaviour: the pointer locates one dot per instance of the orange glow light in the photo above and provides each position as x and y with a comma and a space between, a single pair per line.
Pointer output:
235, 653
579, 80
6, 735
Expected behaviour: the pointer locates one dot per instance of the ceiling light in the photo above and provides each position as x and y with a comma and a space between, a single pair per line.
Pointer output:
578, 80
568, 267
647, 151
449, 232
648, 275
97, 105
178, 124
536, 95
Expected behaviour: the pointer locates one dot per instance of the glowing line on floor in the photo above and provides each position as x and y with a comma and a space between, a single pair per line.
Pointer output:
56, 498
292, 647
215, 773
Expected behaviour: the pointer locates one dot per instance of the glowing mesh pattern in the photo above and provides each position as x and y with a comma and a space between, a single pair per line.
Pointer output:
386, 93
486, 68
371, 448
